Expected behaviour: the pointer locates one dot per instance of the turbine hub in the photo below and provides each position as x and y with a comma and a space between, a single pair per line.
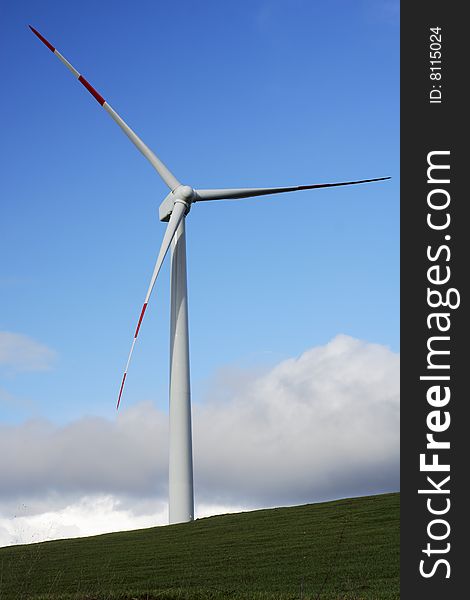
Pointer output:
184, 192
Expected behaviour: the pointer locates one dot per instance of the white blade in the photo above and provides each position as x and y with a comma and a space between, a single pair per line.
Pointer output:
161, 169
176, 216
228, 194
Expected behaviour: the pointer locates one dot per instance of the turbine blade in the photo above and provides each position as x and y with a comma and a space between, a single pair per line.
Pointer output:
176, 216
229, 194
161, 169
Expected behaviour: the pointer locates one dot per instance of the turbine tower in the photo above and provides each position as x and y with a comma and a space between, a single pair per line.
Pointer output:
174, 209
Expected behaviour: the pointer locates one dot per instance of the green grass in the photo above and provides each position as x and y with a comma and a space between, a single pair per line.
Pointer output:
343, 550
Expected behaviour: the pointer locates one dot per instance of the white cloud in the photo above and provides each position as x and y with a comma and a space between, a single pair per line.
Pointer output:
320, 426
21, 353
89, 515
324, 425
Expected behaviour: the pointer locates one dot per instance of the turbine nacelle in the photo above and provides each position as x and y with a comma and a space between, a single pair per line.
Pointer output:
183, 193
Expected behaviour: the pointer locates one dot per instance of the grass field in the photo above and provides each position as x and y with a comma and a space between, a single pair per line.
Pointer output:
343, 550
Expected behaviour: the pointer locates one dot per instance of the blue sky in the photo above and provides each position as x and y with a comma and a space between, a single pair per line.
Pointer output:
228, 95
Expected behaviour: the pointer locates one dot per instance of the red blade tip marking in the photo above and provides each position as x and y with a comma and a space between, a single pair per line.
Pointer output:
92, 90
120, 391
144, 308
42, 38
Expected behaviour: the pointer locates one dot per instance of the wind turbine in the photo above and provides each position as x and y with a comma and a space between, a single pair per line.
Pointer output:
174, 209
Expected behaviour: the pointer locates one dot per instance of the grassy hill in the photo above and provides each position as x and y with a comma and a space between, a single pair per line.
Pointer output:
343, 550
